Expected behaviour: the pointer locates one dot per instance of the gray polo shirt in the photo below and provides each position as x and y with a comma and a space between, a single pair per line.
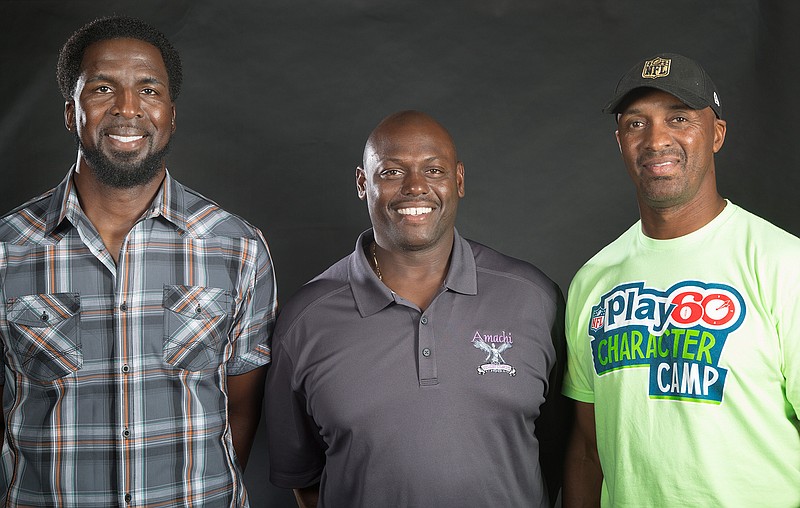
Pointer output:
386, 405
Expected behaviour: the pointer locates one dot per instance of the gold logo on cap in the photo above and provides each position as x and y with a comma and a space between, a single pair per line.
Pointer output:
656, 68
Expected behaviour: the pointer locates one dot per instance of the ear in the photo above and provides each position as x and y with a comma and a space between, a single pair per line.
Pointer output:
616, 135
69, 115
173, 118
361, 183
720, 128
460, 178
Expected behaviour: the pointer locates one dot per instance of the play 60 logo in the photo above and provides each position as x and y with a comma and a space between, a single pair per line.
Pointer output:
685, 305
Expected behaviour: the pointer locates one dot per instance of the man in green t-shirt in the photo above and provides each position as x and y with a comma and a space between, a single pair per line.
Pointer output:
684, 359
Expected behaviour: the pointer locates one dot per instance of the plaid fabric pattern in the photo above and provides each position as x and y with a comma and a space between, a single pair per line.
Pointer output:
115, 373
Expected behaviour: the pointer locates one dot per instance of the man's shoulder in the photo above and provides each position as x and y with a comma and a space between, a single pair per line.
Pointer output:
26, 223
760, 226
318, 291
494, 263
205, 218
613, 253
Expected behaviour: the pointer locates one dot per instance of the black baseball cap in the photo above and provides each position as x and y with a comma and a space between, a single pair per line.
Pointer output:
674, 74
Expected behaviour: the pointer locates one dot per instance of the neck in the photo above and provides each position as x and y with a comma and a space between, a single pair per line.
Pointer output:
113, 211
415, 275
674, 222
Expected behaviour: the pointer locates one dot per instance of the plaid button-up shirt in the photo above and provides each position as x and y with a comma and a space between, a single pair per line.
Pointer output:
115, 373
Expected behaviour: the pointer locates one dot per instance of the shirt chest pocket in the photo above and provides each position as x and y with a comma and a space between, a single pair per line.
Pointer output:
45, 334
196, 321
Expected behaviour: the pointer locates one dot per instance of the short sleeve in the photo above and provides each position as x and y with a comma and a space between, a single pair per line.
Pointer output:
578, 378
788, 328
255, 318
296, 452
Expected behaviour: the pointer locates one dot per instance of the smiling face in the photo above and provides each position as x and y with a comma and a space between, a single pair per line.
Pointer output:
669, 148
412, 182
121, 112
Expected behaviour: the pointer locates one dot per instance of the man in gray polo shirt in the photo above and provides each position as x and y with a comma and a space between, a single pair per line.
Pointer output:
414, 372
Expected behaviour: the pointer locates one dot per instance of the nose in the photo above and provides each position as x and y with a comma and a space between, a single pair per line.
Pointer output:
127, 104
415, 183
658, 137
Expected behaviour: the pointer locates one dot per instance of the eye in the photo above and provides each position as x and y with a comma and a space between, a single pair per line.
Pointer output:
680, 119
103, 89
636, 124
435, 170
149, 91
390, 172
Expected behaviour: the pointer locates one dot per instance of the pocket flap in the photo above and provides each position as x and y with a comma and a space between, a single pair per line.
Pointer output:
44, 310
196, 302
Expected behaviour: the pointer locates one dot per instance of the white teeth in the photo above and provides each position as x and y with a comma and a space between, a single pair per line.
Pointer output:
414, 211
125, 139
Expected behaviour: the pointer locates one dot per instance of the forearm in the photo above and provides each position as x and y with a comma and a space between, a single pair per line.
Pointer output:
245, 394
307, 497
583, 479
2, 419
243, 432
583, 475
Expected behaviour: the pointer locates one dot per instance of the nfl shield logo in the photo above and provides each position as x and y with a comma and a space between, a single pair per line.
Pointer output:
656, 68
598, 318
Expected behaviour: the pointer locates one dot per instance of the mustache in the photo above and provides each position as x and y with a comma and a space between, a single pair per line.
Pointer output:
651, 156
132, 128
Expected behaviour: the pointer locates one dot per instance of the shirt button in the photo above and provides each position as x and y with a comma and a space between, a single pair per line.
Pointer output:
126, 368
123, 307
424, 320
126, 433
128, 498
426, 352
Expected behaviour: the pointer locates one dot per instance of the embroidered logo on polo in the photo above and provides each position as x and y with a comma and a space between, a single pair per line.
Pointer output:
494, 345
678, 333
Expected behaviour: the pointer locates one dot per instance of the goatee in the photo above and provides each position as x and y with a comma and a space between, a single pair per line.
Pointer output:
122, 172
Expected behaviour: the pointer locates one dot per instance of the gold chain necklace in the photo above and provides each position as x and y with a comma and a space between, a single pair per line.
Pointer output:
375, 260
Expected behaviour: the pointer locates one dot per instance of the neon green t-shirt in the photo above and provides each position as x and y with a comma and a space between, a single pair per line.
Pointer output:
689, 350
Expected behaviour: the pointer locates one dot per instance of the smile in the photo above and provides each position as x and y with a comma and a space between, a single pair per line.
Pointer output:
660, 167
125, 139
414, 211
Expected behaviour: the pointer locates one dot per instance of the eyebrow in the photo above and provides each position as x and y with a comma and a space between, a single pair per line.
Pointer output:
149, 80
399, 160
672, 107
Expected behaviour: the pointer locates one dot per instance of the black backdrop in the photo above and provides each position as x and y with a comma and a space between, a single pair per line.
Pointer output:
280, 95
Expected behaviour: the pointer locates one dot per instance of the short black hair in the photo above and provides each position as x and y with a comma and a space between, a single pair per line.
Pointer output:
115, 27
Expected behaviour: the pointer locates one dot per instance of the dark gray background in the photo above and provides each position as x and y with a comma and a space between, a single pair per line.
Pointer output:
280, 95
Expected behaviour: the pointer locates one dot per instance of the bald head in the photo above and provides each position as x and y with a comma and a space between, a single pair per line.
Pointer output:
414, 126
411, 180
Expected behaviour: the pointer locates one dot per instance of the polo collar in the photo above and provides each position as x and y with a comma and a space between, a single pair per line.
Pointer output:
372, 295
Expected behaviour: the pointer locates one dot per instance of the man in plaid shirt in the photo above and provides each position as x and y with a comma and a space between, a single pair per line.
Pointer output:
135, 313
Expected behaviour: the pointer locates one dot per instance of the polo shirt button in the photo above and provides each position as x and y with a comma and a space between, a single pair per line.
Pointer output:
426, 352
126, 368
128, 498
424, 320
123, 307
126, 433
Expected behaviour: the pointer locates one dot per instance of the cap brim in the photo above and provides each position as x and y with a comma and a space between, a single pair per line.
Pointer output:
688, 98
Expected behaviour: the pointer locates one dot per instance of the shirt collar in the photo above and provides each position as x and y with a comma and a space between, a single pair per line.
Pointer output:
169, 203
371, 295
